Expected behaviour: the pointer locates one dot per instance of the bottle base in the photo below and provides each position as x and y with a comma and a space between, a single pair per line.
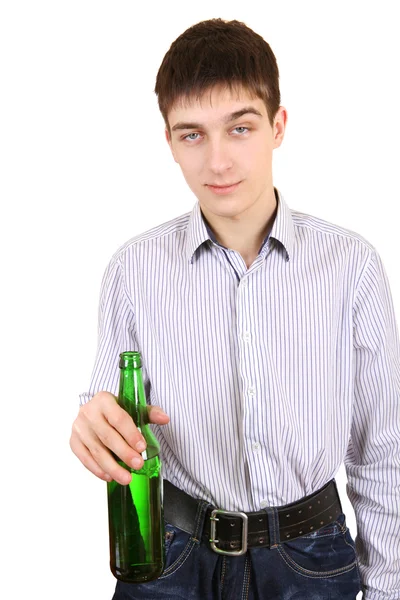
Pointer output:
140, 573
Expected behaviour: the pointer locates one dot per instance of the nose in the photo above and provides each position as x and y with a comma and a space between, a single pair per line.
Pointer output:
218, 156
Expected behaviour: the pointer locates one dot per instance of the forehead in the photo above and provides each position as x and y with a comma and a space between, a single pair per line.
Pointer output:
214, 104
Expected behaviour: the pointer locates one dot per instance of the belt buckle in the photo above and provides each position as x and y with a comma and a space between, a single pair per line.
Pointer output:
213, 530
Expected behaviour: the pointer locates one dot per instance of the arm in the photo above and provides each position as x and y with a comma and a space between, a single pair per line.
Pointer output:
116, 332
102, 425
372, 461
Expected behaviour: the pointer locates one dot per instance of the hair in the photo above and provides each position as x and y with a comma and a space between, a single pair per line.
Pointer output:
218, 52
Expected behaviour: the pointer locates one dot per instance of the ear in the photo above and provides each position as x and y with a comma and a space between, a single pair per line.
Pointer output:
280, 122
167, 137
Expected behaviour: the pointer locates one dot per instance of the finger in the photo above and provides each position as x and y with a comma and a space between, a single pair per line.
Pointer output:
112, 439
114, 427
157, 415
121, 422
100, 452
86, 459
107, 462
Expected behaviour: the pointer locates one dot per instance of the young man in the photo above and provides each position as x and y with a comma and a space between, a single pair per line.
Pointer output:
269, 339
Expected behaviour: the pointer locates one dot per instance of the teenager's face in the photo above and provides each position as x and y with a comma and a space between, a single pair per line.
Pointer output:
215, 147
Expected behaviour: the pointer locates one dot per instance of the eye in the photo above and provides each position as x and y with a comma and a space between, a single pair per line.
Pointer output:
187, 137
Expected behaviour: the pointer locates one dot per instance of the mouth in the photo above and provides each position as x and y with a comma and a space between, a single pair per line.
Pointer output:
224, 189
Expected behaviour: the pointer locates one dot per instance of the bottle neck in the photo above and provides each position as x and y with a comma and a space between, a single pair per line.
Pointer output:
132, 398
132, 395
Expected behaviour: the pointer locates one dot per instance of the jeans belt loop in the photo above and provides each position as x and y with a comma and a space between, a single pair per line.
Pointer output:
200, 518
273, 526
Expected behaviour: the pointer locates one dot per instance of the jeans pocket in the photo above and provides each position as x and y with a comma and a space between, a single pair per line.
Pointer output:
327, 552
178, 545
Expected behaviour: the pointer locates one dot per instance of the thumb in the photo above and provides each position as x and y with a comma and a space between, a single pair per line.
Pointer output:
157, 415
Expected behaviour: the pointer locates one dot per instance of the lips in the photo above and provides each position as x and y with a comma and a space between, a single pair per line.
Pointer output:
225, 185
224, 189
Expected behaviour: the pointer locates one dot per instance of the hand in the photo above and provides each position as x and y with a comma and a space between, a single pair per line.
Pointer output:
102, 425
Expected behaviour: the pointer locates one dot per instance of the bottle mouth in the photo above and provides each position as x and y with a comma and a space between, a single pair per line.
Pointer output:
130, 359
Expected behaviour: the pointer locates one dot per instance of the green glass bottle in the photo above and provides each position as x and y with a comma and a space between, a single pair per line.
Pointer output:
135, 511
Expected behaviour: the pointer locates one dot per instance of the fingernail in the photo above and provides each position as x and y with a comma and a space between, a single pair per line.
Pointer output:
137, 463
140, 446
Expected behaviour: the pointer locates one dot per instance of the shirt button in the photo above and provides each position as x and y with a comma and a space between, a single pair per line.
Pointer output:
246, 336
256, 447
264, 503
252, 391
243, 283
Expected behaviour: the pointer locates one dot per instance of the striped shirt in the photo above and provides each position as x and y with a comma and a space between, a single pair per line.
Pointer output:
272, 375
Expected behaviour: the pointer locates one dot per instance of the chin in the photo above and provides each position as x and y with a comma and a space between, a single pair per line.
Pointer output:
224, 207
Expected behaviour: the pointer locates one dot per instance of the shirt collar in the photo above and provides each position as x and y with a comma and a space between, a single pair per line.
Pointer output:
282, 229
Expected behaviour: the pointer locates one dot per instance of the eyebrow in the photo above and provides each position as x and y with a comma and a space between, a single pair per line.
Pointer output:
227, 119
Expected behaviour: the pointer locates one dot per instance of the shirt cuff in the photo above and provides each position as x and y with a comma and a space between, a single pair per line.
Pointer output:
376, 595
84, 398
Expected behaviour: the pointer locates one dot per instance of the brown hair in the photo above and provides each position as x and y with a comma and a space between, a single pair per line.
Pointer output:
218, 52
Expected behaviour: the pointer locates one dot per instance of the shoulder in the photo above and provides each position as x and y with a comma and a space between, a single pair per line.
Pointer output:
315, 227
165, 232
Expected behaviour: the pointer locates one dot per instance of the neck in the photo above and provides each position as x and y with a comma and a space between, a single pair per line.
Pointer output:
247, 231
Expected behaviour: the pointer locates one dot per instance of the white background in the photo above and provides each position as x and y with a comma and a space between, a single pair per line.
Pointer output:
85, 166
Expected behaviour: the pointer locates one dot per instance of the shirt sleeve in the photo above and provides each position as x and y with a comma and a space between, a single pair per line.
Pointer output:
372, 460
116, 332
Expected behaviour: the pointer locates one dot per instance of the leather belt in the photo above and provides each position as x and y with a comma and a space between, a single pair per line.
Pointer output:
233, 532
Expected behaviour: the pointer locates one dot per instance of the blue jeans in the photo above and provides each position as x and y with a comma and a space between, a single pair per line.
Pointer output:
321, 565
